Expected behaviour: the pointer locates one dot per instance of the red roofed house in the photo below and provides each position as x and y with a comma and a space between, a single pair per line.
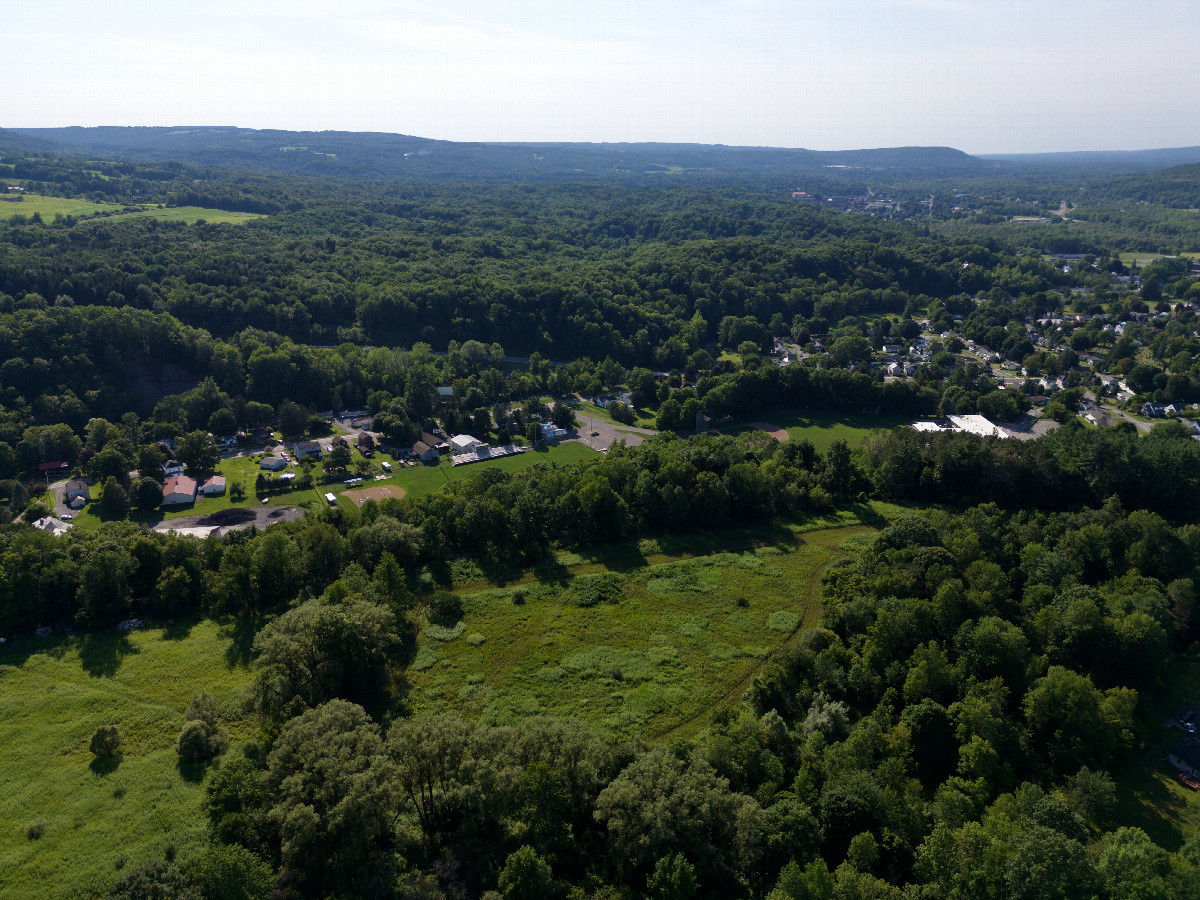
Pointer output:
214, 486
178, 491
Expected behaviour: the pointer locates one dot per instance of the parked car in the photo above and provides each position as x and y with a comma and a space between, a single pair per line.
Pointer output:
1191, 782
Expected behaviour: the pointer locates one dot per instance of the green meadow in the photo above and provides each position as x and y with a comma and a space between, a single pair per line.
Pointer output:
49, 207
821, 426
191, 215
67, 824
645, 644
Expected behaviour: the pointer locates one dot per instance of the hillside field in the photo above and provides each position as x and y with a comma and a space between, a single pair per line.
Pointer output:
636, 645
94, 819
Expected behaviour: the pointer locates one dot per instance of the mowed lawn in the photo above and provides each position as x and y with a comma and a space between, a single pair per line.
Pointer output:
419, 480
821, 426
648, 650
54, 693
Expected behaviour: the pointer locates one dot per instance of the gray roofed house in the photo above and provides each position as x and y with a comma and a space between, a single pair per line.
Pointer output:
1184, 755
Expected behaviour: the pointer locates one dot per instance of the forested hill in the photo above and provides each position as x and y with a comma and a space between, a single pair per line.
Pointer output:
396, 156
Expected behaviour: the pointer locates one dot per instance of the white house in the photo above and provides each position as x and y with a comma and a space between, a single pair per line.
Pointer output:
214, 486
172, 467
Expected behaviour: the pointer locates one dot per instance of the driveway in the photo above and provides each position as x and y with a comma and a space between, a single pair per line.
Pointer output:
60, 507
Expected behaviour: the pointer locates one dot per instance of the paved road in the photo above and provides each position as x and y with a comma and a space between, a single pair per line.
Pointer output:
606, 434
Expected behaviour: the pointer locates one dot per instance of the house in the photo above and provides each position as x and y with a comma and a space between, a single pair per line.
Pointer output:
464, 443
434, 441
229, 442
51, 525
1153, 410
272, 463
306, 448
56, 467
425, 452
445, 391
76, 493
172, 467
178, 491
214, 486
552, 432
1184, 755
366, 444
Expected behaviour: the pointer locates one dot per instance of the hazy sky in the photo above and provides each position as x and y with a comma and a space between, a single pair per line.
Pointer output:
996, 76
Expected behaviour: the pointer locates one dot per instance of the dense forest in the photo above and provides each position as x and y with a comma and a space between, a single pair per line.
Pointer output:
958, 717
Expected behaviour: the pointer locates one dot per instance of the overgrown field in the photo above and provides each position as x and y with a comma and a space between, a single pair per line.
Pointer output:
67, 823
649, 649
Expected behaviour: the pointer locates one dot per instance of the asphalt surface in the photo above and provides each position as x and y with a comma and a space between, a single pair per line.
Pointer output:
600, 435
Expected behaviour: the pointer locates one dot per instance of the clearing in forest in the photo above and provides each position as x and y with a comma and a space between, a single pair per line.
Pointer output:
646, 650
820, 426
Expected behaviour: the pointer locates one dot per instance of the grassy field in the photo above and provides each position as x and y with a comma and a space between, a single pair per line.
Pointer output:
191, 215
49, 207
647, 642
822, 427
54, 693
642, 419
1140, 259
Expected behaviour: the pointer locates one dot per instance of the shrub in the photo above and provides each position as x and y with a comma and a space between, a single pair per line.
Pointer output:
199, 742
106, 741
445, 609
35, 831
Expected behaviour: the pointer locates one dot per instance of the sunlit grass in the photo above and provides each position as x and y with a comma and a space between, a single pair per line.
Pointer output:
54, 693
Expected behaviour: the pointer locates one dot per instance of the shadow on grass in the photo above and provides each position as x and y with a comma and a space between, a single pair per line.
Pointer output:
178, 630
105, 765
100, 653
191, 771
240, 632
867, 515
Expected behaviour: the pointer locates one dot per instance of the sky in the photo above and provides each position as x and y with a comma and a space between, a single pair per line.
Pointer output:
984, 76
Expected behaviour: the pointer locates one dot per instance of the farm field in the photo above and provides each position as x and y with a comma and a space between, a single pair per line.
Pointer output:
191, 215
646, 649
820, 426
54, 693
49, 207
